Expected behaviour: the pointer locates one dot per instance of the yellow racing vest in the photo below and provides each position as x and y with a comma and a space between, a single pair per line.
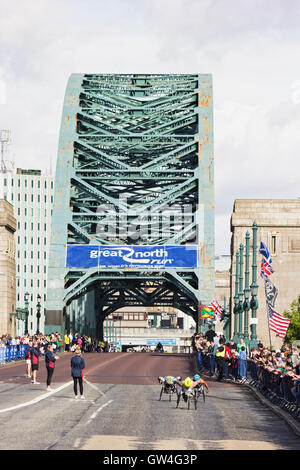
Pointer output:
220, 353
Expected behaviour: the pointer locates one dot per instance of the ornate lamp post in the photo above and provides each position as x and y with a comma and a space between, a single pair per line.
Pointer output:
26, 310
246, 305
236, 297
241, 294
38, 314
254, 289
226, 319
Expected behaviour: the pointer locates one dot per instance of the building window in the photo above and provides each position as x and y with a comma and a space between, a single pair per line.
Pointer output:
273, 244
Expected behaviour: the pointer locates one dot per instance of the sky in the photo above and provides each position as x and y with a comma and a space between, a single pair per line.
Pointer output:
251, 48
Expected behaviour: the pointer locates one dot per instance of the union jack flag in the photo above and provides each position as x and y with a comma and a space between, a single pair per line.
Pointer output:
265, 269
217, 308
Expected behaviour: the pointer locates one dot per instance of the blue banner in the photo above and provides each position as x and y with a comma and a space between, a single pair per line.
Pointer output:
162, 341
133, 256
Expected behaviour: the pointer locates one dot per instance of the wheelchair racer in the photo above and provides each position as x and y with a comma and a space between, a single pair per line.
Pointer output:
198, 381
188, 386
168, 380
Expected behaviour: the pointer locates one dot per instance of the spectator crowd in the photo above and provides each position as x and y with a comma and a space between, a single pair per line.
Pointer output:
68, 343
275, 373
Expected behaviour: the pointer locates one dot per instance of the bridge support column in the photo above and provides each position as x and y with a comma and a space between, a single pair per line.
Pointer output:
55, 322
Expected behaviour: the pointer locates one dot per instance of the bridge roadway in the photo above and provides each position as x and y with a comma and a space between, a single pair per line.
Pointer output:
121, 410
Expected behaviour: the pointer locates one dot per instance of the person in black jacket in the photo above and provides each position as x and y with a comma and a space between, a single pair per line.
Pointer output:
50, 365
77, 366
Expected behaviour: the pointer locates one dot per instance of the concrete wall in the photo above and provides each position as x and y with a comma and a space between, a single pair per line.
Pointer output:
278, 221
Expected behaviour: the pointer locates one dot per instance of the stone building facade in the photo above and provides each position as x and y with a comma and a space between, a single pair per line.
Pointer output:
7, 269
278, 223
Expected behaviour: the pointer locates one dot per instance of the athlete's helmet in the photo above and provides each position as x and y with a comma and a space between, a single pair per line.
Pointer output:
188, 382
169, 380
196, 377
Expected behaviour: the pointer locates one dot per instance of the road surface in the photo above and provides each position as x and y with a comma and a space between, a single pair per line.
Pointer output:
121, 410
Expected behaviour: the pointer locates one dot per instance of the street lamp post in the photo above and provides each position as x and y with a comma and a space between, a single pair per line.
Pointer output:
226, 319
236, 297
254, 289
241, 295
246, 306
26, 295
38, 314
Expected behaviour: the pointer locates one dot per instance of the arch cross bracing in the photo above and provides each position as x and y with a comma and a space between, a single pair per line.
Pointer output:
134, 169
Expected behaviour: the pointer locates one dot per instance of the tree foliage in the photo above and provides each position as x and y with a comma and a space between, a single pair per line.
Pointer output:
293, 332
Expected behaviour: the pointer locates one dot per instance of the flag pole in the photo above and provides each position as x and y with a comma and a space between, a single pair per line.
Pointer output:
267, 309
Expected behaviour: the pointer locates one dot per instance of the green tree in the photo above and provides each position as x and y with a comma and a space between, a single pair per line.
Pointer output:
293, 332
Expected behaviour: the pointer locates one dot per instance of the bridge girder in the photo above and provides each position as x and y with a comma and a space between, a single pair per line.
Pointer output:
139, 145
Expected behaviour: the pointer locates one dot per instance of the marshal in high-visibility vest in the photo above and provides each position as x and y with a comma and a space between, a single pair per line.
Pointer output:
220, 351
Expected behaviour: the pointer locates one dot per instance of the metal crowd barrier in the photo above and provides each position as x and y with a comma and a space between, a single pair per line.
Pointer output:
279, 390
12, 353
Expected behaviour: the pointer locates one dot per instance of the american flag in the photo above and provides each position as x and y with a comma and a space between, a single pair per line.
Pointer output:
278, 323
265, 269
218, 310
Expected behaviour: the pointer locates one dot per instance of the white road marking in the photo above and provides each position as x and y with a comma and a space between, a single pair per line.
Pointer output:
94, 387
36, 400
94, 415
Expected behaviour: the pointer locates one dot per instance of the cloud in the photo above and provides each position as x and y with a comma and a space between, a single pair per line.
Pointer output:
250, 47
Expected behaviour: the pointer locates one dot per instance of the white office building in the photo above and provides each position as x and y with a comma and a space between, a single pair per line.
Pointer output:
31, 194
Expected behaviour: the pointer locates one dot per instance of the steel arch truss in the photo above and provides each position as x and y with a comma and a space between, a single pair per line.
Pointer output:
135, 166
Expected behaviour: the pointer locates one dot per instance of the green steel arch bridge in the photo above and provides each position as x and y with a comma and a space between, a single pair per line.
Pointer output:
134, 172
